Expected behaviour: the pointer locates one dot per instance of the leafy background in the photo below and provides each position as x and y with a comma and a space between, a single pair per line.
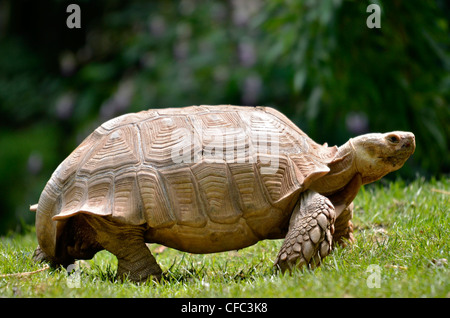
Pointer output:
315, 61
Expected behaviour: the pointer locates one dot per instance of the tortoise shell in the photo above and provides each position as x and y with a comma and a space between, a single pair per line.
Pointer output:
193, 167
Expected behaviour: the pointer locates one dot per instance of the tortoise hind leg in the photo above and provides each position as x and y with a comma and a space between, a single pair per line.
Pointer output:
126, 242
137, 262
40, 256
79, 239
309, 238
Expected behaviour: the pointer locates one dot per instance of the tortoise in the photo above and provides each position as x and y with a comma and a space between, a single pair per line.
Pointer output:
206, 179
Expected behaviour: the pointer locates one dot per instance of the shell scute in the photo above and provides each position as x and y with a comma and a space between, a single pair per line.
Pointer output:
183, 196
281, 182
157, 209
164, 138
127, 119
213, 183
68, 168
126, 203
116, 150
251, 197
99, 191
73, 198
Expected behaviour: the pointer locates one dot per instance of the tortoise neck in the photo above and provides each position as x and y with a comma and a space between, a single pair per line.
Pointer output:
345, 160
342, 170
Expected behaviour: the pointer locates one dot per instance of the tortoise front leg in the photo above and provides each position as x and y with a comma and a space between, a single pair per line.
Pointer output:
309, 238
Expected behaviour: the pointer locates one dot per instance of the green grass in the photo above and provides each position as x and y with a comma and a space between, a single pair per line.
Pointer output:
402, 233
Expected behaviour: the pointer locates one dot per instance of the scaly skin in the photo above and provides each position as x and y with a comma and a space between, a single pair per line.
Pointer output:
309, 238
135, 261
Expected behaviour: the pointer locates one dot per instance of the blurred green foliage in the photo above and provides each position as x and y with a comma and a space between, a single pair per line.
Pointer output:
316, 61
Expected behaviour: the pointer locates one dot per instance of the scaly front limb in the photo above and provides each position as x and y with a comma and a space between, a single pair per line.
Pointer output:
309, 238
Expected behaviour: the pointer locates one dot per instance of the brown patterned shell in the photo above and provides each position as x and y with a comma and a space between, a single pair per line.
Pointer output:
187, 166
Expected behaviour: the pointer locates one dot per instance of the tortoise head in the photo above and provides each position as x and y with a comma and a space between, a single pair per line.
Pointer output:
378, 154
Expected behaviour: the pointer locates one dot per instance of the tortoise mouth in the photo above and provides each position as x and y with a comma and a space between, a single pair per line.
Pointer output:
395, 161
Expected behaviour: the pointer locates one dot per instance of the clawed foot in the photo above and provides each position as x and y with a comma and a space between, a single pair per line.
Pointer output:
39, 256
309, 238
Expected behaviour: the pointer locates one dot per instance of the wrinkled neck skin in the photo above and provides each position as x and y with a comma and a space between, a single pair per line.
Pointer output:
342, 170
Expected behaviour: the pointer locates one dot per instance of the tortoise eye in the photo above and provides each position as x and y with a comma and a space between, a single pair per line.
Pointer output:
394, 139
